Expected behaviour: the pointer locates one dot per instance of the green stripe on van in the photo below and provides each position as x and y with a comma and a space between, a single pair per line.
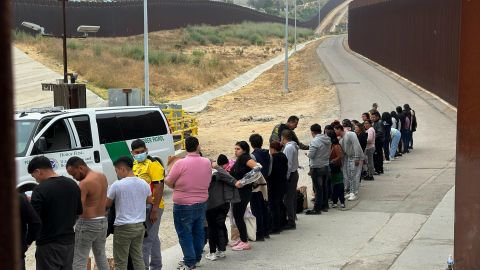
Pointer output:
117, 149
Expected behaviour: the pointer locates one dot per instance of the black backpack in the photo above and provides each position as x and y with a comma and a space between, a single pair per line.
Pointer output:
300, 199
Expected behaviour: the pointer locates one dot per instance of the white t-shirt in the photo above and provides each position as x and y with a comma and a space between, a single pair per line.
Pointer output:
130, 197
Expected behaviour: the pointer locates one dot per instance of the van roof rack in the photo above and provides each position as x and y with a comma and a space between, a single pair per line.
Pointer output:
41, 110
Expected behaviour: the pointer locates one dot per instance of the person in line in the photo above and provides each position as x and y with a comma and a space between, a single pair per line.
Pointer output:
402, 119
379, 137
336, 158
370, 149
258, 203
413, 126
291, 125
190, 178
397, 125
387, 124
365, 116
91, 227
152, 172
221, 192
291, 152
131, 196
362, 137
277, 186
319, 156
395, 138
30, 226
57, 200
242, 166
375, 106
352, 160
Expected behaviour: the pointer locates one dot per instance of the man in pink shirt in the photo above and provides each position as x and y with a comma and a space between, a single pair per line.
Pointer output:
189, 178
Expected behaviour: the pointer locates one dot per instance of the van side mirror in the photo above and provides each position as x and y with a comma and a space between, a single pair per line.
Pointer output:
40, 145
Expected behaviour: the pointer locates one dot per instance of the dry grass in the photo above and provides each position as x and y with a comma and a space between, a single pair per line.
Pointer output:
183, 62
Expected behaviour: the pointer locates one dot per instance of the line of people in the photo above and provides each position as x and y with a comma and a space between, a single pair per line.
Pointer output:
204, 192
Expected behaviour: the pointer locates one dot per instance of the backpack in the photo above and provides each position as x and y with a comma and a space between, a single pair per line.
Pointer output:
300, 200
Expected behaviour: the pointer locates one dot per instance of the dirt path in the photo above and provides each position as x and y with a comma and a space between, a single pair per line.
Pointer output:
311, 96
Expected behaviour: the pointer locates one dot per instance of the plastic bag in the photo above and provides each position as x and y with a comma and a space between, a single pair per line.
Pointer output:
252, 176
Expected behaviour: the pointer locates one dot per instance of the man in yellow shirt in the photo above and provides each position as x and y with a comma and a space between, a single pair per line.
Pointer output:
153, 173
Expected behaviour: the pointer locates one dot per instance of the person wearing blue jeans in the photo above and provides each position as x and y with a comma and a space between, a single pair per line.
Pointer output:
190, 178
395, 137
189, 221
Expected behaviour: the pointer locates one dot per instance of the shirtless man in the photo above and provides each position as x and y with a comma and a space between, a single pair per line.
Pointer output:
91, 227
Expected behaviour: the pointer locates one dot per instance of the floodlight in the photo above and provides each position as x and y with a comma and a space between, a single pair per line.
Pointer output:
34, 27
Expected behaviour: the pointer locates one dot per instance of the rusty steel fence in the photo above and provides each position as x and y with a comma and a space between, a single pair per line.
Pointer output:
417, 39
125, 18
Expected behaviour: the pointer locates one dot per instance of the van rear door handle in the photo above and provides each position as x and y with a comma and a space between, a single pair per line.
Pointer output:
96, 156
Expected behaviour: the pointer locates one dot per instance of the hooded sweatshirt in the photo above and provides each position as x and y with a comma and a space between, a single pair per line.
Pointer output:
319, 151
351, 147
291, 151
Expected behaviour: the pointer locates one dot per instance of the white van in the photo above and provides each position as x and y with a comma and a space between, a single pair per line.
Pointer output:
97, 135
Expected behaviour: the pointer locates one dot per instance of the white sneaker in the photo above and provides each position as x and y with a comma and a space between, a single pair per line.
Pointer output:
334, 205
221, 254
387, 161
211, 256
352, 197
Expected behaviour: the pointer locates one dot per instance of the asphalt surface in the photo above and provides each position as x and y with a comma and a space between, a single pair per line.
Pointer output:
388, 218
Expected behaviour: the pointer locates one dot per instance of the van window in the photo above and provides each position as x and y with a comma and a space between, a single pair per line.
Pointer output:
59, 135
122, 126
141, 124
84, 130
108, 129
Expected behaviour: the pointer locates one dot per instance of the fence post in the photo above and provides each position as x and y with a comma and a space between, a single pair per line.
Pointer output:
467, 184
10, 247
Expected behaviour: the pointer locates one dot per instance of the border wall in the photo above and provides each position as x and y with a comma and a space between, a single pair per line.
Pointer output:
418, 39
125, 18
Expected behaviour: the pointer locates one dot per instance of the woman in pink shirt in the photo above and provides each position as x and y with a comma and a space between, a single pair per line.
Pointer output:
370, 149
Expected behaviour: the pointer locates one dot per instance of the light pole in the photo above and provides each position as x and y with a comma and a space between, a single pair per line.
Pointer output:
145, 51
295, 28
285, 83
65, 70
319, 14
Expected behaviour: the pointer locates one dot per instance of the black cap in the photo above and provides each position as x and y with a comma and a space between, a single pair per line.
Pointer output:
222, 160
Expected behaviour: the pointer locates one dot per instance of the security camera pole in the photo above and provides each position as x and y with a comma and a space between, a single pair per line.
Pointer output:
285, 84
65, 76
145, 51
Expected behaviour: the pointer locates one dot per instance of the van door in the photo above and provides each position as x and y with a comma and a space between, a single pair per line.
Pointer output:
65, 136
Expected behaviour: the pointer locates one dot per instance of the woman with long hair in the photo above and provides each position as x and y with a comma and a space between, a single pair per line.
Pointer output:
242, 166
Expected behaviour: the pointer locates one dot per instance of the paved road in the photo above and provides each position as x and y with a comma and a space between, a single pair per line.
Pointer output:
392, 209
29, 75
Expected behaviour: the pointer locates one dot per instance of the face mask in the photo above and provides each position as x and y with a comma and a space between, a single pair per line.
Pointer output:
140, 157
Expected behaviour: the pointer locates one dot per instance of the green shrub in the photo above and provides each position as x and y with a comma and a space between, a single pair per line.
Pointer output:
178, 58
97, 50
158, 58
74, 45
132, 51
256, 39
198, 54
216, 40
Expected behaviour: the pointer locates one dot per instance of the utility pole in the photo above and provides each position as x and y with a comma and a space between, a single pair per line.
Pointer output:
65, 70
319, 14
285, 83
145, 52
295, 28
